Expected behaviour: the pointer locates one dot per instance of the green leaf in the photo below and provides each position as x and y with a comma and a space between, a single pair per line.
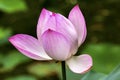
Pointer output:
12, 5
92, 75
8, 62
114, 75
4, 34
42, 69
21, 77
105, 56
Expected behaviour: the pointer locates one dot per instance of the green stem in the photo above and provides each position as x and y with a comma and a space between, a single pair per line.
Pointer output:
63, 70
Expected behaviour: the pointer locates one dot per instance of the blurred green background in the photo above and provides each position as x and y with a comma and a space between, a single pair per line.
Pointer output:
102, 42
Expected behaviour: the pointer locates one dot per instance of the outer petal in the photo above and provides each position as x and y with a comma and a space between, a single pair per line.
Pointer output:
56, 45
58, 23
29, 46
63, 26
80, 64
77, 18
44, 16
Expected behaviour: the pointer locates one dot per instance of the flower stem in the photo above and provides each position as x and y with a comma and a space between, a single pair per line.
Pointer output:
63, 70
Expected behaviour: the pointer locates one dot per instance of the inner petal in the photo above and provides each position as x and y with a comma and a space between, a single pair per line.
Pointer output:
56, 45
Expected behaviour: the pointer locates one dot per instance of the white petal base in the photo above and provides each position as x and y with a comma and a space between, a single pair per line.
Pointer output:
80, 64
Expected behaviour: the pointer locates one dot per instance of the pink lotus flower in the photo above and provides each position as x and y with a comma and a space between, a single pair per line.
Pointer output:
58, 38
